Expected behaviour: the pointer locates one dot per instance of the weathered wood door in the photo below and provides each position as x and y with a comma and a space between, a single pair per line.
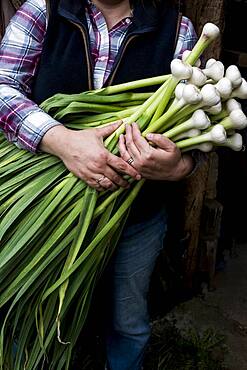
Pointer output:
203, 11
7, 10
200, 12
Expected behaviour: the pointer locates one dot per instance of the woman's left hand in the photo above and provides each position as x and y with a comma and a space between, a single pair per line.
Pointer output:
163, 161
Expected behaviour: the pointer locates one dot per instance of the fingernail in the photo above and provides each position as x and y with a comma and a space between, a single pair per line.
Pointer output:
149, 136
138, 177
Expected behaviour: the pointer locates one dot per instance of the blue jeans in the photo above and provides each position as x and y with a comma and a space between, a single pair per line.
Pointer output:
132, 267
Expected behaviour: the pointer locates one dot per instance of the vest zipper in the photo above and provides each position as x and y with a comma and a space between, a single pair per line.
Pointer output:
119, 60
130, 39
89, 66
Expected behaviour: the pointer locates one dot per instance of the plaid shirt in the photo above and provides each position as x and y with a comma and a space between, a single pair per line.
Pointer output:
21, 120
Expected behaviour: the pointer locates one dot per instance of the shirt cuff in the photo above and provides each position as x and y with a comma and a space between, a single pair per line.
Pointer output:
32, 130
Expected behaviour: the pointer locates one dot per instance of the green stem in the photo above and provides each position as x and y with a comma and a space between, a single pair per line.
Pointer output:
167, 94
123, 208
88, 206
192, 141
218, 117
227, 123
201, 45
152, 81
182, 113
112, 140
165, 118
177, 130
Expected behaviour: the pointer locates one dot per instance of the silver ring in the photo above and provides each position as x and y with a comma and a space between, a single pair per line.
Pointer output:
130, 160
100, 179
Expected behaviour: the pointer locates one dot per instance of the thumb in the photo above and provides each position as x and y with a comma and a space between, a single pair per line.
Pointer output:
109, 129
161, 142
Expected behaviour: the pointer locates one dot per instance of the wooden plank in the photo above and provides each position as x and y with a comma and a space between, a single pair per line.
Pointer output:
195, 188
203, 11
7, 10
204, 181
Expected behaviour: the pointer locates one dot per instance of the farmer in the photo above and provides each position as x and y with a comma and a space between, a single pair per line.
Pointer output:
70, 46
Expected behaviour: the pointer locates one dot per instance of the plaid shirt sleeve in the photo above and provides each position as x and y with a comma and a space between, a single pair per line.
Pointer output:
187, 37
21, 120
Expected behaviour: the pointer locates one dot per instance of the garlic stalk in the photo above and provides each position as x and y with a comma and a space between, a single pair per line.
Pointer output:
236, 120
185, 55
210, 97
190, 133
180, 71
209, 33
234, 142
228, 106
203, 147
217, 135
199, 120
190, 96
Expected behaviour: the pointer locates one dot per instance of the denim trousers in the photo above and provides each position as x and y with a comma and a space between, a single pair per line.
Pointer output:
132, 267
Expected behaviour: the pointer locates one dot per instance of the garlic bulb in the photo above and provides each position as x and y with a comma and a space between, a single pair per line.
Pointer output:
234, 75
180, 70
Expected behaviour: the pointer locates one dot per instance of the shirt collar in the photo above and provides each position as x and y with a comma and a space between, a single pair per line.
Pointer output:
94, 12
145, 16
92, 7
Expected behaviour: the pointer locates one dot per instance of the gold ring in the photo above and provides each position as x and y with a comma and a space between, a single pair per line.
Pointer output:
130, 160
100, 179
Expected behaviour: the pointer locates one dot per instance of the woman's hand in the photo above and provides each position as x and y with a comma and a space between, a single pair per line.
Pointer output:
84, 154
160, 162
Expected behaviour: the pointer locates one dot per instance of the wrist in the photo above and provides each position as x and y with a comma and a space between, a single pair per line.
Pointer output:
54, 140
184, 168
188, 165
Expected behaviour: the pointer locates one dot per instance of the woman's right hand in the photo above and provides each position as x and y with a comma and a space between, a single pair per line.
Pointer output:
84, 154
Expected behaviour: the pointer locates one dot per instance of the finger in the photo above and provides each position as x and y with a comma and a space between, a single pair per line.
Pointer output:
122, 148
109, 129
162, 142
121, 166
115, 178
130, 145
112, 188
105, 183
100, 188
94, 185
141, 143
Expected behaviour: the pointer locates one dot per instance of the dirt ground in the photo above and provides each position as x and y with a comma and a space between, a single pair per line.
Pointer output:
223, 310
